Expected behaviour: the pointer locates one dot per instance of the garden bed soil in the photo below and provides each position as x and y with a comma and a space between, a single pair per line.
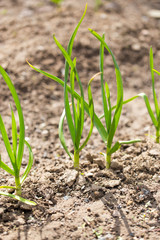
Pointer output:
120, 203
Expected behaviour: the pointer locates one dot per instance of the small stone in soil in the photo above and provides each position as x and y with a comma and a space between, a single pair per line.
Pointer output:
25, 207
100, 162
107, 237
1, 211
70, 177
112, 183
154, 152
97, 194
116, 166
115, 213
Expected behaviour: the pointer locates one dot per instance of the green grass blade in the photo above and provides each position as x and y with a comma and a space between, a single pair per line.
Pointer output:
104, 101
109, 105
79, 125
6, 168
114, 123
69, 117
20, 114
8, 187
14, 134
151, 114
91, 113
6, 142
153, 85
119, 104
30, 163
70, 45
116, 146
130, 141
67, 54
18, 198
68, 63
97, 121
72, 79
156, 71
125, 102
67, 106
79, 130
61, 135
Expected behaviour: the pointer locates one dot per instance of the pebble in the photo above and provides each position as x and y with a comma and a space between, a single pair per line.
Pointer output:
89, 174
1, 211
81, 181
130, 202
154, 13
107, 237
25, 207
97, 191
112, 183
136, 47
154, 152
70, 177
116, 166
45, 133
115, 213
100, 162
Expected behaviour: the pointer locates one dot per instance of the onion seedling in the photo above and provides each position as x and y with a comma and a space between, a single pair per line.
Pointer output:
106, 135
76, 125
75, 120
97, 121
111, 122
154, 117
15, 152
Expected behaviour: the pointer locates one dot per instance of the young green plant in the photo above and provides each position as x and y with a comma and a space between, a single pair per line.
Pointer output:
111, 122
76, 120
67, 88
15, 152
154, 117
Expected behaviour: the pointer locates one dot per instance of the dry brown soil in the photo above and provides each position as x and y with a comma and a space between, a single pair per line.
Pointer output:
121, 203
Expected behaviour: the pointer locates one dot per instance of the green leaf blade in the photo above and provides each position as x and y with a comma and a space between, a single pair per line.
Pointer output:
14, 134
6, 168
61, 135
18, 198
97, 121
153, 84
30, 163
20, 114
6, 142
151, 114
